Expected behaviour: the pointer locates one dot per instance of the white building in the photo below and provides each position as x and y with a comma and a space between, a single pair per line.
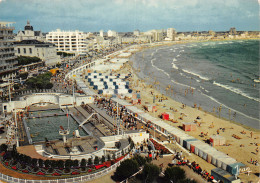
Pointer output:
156, 35
68, 41
137, 32
8, 60
171, 34
34, 48
101, 33
111, 33
29, 33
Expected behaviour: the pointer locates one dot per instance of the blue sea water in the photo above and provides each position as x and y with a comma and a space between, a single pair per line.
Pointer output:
222, 73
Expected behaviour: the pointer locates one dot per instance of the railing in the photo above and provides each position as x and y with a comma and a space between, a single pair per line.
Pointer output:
66, 180
29, 92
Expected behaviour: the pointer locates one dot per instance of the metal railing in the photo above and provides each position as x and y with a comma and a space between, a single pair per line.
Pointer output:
89, 177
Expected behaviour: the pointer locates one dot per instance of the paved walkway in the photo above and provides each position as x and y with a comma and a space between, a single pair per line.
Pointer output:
189, 173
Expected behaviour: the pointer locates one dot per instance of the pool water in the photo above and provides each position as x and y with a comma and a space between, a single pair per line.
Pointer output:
48, 127
46, 112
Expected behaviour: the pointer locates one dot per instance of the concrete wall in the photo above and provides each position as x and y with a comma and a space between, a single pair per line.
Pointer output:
60, 99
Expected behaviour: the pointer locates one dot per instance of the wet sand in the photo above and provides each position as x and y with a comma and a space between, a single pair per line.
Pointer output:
241, 149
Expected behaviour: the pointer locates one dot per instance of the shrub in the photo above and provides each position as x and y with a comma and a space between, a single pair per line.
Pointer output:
83, 163
76, 163
150, 172
174, 174
103, 159
68, 163
186, 181
60, 164
47, 163
126, 169
90, 162
40, 161
140, 160
96, 160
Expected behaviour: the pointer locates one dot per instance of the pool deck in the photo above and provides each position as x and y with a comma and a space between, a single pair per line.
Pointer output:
86, 144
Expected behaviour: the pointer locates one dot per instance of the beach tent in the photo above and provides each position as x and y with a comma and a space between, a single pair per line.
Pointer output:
189, 126
165, 116
217, 140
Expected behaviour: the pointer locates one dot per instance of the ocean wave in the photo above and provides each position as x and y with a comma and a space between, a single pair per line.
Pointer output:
178, 55
238, 112
159, 68
195, 74
182, 84
174, 66
235, 90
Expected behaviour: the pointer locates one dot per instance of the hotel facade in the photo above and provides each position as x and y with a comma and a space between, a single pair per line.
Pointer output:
68, 41
8, 60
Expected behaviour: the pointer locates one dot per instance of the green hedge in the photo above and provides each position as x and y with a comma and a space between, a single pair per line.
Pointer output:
42, 81
23, 60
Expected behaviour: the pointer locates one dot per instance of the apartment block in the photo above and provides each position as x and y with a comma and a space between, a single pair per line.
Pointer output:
8, 60
68, 41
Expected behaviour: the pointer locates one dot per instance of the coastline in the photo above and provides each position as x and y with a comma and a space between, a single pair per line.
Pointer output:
242, 150
209, 103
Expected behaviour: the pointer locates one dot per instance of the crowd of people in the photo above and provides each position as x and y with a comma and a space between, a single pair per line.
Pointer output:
181, 160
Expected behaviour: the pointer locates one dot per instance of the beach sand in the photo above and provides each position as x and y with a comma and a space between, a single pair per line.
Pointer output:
243, 150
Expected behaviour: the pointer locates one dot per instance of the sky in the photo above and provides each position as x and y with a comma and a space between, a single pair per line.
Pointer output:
129, 15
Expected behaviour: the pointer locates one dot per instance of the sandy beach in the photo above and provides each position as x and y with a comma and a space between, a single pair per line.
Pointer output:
243, 149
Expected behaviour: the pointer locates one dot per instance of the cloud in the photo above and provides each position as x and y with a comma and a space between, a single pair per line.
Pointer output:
127, 15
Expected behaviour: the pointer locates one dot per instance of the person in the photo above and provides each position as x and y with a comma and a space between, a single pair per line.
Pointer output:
251, 134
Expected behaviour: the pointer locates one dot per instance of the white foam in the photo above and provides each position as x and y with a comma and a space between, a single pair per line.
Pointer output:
174, 66
182, 84
178, 55
236, 90
195, 74
159, 68
229, 107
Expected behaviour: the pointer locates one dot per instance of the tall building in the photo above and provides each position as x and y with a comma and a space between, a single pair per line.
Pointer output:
137, 32
8, 60
171, 34
68, 41
111, 33
28, 33
232, 31
101, 33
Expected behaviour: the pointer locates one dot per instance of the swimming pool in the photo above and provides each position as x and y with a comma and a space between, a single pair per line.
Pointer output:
48, 127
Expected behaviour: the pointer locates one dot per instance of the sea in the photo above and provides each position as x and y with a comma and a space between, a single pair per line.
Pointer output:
222, 77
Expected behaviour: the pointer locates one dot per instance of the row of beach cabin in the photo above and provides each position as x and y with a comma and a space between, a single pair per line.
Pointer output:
203, 150
109, 84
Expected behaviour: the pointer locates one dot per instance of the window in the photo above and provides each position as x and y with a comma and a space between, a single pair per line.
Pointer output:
30, 49
24, 50
18, 50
